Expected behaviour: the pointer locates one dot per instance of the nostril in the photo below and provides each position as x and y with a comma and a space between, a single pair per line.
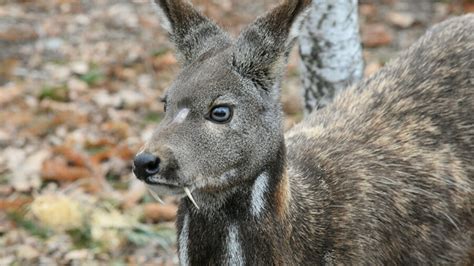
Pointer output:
145, 165
153, 167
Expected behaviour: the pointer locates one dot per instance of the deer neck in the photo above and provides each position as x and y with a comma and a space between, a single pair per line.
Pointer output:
247, 227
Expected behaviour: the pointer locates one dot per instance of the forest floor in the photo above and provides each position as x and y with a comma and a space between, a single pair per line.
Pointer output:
80, 83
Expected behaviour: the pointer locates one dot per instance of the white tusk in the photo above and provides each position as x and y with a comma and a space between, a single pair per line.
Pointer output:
190, 196
155, 196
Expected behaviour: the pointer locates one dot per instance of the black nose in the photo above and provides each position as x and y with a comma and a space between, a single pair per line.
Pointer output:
145, 165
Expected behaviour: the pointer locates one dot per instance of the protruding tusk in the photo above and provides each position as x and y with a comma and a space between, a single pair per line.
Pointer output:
155, 196
190, 196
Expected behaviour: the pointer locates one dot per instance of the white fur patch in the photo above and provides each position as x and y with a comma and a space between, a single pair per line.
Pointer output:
164, 21
183, 242
228, 174
257, 199
234, 249
181, 116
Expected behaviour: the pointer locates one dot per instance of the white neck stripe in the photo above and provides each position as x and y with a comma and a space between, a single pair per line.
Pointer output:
257, 198
234, 250
183, 242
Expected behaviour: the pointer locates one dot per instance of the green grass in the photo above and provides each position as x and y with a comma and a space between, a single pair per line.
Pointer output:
82, 238
153, 117
93, 77
4, 179
142, 234
93, 150
160, 52
55, 93
32, 227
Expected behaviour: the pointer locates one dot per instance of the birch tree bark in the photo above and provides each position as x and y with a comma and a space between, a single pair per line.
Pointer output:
330, 49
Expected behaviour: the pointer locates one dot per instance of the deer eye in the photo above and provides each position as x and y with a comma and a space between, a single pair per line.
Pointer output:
221, 114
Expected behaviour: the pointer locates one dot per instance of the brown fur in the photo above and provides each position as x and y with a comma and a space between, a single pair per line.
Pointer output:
384, 175
397, 155
282, 196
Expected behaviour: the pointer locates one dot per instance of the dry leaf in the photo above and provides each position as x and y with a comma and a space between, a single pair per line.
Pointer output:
106, 226
74, 158
402, 20
375, 35
17, 32
164, 61
26, 174
27, 252
468, 7
135, 192
371, 68
14, 204
57, 212
58, 170
158, 212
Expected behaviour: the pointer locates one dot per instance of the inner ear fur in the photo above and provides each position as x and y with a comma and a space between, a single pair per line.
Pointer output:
191, 32
262, 48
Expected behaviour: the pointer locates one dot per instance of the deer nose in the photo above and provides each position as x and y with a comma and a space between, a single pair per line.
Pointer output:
145, 165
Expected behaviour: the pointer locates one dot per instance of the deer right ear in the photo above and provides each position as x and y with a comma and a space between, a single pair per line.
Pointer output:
192, 33
262, 48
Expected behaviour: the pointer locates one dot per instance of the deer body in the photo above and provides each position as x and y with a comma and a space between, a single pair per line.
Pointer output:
384, 175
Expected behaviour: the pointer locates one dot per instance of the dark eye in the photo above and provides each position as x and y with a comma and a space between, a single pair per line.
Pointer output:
221, 114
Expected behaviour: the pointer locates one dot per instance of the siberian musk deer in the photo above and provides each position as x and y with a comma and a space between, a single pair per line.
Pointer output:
383, 175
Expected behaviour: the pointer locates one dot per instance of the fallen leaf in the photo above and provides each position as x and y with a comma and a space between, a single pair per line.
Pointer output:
101, 156
468, 7
5, 190
135, 192
368, 10
79, 67
158, 212
58, 170
71, 155
8, 94
371, 68
124, 152
57, 212
292, 104
79, 254
27, 252
121, 130
106, 227
14, 204
164, 61
26, 174
7, 66
131, 99
17, 32
402, 20
375, 35
104, 99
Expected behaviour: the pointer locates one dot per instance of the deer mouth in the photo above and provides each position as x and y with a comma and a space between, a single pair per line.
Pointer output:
165, 188
157, 181
158, 187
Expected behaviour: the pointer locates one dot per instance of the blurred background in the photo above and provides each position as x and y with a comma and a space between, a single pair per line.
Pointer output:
80, 83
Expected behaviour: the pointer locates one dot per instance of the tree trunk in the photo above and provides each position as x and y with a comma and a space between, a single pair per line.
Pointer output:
331, 52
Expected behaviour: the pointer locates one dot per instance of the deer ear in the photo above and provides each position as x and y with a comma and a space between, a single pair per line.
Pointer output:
192, 33
262, 48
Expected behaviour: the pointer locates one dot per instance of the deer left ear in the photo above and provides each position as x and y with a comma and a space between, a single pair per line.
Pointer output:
262, 48
192, 33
